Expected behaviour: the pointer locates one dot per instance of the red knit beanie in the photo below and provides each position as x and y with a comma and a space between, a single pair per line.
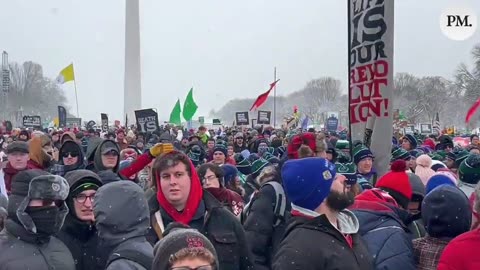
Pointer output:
396, 183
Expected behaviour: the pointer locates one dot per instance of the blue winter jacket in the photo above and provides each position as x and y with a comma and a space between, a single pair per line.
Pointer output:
383, 230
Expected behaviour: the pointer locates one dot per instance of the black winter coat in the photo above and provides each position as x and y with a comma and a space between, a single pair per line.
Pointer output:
262, 237
82, 241
314, 244
22, 250
220, 226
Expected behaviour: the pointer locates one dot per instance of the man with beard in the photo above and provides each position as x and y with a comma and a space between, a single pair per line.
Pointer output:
321, 233
382, 213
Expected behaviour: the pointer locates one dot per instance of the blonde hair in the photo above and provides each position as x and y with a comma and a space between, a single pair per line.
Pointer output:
304, 151
321, 142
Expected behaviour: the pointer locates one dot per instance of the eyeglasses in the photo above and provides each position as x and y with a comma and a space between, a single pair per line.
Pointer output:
82, 198
203, 267
72, 154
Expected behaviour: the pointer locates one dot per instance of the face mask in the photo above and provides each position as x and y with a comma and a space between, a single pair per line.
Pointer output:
45, 219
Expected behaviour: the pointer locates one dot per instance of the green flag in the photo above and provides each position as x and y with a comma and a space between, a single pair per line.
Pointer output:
175, 114
189, 107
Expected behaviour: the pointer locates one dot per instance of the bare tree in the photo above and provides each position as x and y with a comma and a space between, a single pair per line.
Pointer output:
32, 92
319, 96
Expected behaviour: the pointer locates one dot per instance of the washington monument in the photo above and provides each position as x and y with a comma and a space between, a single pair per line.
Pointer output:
132, 93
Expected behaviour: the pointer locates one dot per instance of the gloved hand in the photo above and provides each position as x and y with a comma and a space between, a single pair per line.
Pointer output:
161, 148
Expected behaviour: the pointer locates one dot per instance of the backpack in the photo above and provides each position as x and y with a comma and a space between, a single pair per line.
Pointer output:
126, 252
280, 204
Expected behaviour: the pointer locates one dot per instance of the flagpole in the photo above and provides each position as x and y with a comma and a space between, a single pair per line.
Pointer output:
76, 96
274, 96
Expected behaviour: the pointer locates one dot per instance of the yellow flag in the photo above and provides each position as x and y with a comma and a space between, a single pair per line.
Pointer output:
56, 121
66, 75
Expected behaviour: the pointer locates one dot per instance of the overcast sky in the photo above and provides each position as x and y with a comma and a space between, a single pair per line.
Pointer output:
224, 49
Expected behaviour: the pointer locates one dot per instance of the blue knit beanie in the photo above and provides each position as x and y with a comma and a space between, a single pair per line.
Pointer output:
438, 180
307, 181
229, 173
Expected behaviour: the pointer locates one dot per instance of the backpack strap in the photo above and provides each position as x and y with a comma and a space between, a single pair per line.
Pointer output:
280, 202
158, 225
124, 251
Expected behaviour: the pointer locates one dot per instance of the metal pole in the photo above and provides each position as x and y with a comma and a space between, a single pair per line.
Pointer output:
275, 97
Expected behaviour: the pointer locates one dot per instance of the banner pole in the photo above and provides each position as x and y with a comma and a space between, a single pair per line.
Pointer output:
76, 96
274, 97
349, 134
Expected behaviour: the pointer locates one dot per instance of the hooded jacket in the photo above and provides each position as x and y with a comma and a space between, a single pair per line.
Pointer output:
93, 143
122, 219
313, 243
60, 167
81, 237
382, 226
220, 226
97, 160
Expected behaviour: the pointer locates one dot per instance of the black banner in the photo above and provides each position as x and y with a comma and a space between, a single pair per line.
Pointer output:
216, 122
73, 122
32, 121
264, 117
62, 117
241, 118
147, 120
332, 123
104, 118
90, 124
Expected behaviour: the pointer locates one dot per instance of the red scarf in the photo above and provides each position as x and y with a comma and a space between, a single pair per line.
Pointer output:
193, 201
9, 173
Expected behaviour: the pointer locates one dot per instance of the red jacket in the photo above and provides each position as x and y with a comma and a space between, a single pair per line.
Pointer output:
462, 252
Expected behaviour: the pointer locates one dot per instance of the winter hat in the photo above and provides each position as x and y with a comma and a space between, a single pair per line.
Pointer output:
430, 143
308, 139
44, 187
342, 144
229, 173
410, 138
460, 156
178, 237
397, 183
349, 170
437, 165
416, 152
17, 146
258, 165
424, 162
451, 156
439, 179
360, 152
19, 189
469, 170
418, 189
446, 212
271, 158
307, 181
243, 165
399, 153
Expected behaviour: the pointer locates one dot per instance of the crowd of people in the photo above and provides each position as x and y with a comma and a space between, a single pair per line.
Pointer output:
235, 198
